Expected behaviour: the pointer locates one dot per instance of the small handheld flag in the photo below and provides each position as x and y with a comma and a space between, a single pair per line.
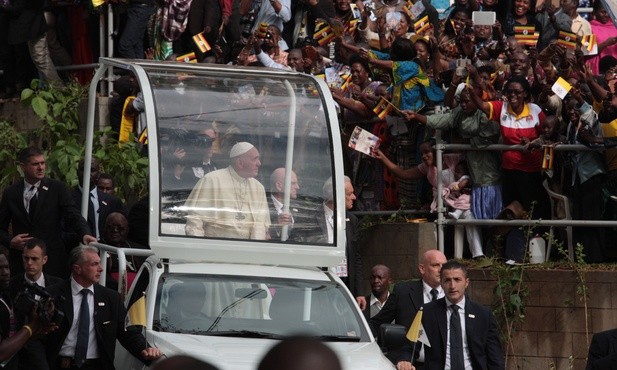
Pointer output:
383, 108
567, 40
590, 44
413, 334
201, 42
526, 35
187, 58
422, 25
324, 34
547, 158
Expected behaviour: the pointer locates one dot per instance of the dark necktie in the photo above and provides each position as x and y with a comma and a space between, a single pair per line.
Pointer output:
33, 200
456, 340
434, 294
83, 330
92, 217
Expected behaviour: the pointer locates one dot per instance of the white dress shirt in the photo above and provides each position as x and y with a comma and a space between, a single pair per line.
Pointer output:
68, 347
461, 312
375, 305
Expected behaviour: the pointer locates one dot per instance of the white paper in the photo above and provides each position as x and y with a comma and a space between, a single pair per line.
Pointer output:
483, 18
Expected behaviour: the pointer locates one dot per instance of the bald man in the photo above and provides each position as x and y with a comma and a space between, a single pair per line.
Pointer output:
408, 296
300, 353
230, 202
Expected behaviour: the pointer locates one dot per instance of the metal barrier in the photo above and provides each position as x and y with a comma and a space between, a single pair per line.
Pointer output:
106, 249
442, 221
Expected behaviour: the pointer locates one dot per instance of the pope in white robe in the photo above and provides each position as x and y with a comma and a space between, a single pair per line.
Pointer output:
230, 202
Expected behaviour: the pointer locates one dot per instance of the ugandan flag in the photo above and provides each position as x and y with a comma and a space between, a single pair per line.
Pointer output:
324, 34
547, 158
346, 81
201, 42
526, 35
567, 40
589, 41
407, 10
143, 137
136, 314
422, 25
187, 58
383, 108
352, 27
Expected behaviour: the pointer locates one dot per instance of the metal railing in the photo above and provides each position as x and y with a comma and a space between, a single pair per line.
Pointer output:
441, 221
105, 250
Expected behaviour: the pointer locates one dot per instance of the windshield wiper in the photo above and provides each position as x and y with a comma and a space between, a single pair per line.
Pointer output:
338, 338
245, 334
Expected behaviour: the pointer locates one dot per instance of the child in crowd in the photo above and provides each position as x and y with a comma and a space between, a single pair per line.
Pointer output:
428, 169
458, 193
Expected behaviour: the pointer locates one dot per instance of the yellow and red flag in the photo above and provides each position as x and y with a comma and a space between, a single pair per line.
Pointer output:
346, 81
201, 42
421, 25
187, 58
324, 34
547, 158
589, 41
567, 40
352, 27
383, 108
526, 35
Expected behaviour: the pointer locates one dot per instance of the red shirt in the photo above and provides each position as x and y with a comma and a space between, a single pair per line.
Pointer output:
513, 128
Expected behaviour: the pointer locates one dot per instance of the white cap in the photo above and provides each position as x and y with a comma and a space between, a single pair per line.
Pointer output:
240, 148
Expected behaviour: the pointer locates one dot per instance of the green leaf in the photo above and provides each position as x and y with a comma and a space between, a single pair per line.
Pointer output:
26, 94
40, 107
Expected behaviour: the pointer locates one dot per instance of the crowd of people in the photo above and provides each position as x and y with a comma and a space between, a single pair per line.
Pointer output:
533, 74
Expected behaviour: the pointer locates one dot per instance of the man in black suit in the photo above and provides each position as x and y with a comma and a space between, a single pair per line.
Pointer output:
10, 344
100, 204
35, 207
603, 350
380, 284
319, 228
32, 355
89, 342
461, 334
408, 296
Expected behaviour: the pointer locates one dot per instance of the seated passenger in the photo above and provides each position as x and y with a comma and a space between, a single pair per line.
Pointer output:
186, 300
230, 202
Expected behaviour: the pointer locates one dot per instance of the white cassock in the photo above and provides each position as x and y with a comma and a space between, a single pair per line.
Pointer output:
226, 205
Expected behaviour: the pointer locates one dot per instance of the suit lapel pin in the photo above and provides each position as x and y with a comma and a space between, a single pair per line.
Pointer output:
45, 187
346, 220
101, 304
104, 203
472, 316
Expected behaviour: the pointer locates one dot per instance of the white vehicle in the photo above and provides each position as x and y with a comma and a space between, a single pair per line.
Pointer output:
228, 300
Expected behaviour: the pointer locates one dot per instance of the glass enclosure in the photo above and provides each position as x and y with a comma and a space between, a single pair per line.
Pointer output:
225, 142
255, 307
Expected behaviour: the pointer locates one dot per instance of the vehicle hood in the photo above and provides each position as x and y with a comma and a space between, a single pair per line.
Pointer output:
246, 353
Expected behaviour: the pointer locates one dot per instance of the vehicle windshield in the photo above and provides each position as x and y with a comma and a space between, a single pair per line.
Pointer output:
255, 307
225, 144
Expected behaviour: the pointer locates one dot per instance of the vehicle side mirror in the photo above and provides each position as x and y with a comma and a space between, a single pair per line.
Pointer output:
392, 337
